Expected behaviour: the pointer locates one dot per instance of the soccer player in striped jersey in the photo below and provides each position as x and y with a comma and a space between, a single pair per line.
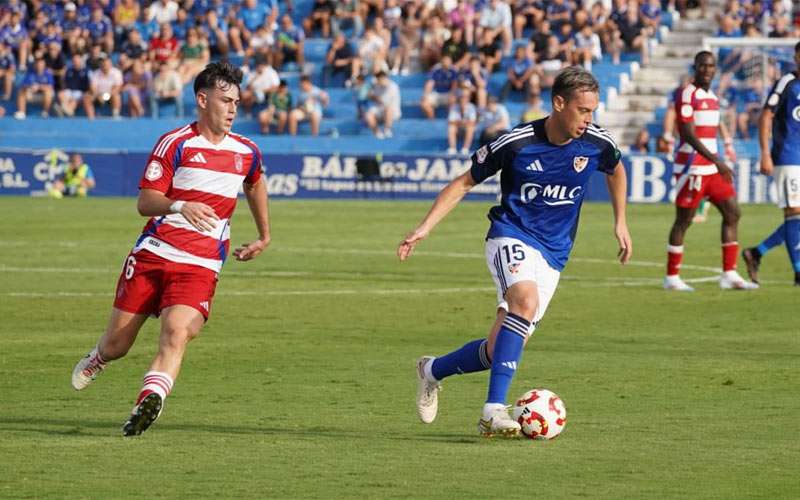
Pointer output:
781, 117
189, 190
701, 173
544, 168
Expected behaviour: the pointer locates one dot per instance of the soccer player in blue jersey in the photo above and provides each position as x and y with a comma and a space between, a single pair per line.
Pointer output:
544, 167
781, 117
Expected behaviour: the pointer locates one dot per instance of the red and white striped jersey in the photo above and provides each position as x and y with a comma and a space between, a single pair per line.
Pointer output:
185, 166
701, 107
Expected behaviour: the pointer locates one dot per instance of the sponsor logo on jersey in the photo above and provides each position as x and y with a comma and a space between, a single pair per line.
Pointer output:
580, 162
552, 194
482, 153
154, 171
204, 305
796, 113
198, 158
535, 166
237, 162
704, 105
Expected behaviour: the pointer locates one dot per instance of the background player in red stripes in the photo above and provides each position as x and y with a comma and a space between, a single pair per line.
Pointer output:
189, 190
701, 173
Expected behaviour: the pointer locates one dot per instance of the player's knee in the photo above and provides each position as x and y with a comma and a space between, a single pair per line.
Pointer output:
523, 305
731, 215
177, 337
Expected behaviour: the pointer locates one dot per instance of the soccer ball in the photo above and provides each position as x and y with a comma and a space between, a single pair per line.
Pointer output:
541, 413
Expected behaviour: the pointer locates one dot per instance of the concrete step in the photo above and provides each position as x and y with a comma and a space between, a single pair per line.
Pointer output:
653, 76
676, 51
659, 87
628, 103
609, 119
624, 136
670, 64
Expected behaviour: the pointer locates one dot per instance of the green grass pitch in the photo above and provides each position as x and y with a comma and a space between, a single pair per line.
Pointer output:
302, 385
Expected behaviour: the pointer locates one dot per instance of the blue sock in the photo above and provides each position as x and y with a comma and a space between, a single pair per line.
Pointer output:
470, 357
793, 241
507, 353
772, 240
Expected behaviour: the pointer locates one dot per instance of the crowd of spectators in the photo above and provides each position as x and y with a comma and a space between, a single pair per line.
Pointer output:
130, 57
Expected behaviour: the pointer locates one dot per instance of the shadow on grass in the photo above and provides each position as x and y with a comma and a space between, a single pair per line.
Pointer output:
97, 428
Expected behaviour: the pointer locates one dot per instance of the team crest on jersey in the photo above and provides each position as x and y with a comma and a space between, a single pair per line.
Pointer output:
237, 162
482, 153
154, 171
796, 113
580, 162
513, 268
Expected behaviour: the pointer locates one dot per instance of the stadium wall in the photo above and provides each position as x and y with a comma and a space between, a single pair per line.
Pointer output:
28, 173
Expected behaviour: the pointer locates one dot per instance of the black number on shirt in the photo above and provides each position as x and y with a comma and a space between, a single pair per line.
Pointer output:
514, 251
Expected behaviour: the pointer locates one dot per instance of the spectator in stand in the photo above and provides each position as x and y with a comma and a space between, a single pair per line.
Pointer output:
539, 40
587, 47
167, 86
137, 84
340, 59
642, 142
534, 110
277, 113
361, 91
253, 15
69, 19
748, 107
478, 78
462, 117
348, 12
310, 103
373, 49
650, 13
495, 17
489, 52
409, 37
194, 56
8, 70
552, 62
320, 17
494, 121
56, 62
101, 30
462, 17
51, 34
393, 18
162, 11
441, 81
290, 44
106, 86
385, 106
132, 49
216, 32
456, 47
125, 15
433, 39
76, 89
95, 58
181, 25
148, 28
16, 36
261, 43
259, 85
633, 34
558, 13
521, 75
527, 13
164, 47
38, 84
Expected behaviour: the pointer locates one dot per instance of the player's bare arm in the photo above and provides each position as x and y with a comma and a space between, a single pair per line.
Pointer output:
727, 140
256, 195
764, 135
450, 196
153, 203
688, 133
618, 192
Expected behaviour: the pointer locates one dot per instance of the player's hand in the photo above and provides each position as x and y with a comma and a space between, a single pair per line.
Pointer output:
625, 243
725, 171
200, 215
249, 251
766, 166
406, 247
730, 152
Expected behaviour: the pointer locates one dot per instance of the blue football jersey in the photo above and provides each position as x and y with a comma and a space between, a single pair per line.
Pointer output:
784, 101
542, 185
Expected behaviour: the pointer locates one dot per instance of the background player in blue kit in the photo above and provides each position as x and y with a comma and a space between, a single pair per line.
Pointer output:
545, 166
781, 116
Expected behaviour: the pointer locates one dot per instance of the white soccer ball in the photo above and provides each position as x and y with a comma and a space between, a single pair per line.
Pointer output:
541, 413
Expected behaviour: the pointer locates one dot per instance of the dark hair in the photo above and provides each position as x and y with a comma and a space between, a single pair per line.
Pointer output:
216, 73
702, 54
574, 79
305, 78
797, 47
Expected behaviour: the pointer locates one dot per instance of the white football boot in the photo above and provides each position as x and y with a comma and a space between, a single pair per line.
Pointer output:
730, 280
496, 421
87, 369
427, 392
677, 284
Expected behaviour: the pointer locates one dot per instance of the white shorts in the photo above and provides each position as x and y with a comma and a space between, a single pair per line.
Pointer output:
437, 98
511, 261
787, 183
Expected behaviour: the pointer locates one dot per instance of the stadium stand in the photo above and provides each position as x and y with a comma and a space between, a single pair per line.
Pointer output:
633, 95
